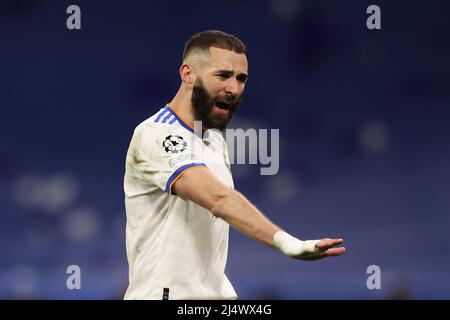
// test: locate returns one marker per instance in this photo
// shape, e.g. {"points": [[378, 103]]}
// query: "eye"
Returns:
{"points": [[223, 75], [242, 78]]}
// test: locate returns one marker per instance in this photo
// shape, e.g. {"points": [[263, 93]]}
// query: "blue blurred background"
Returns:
{"points": [[364, 119]]}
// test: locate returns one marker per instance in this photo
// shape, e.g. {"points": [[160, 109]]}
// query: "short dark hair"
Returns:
{"points": [[214, 38]]}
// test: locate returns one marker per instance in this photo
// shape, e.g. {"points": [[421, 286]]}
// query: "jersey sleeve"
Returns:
{"points": [[167, 154]]}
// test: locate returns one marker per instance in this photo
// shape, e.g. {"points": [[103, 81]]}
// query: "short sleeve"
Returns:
{"points": [[167, 153]]}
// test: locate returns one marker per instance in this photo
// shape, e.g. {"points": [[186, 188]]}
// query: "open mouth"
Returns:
{"points": [[222, 105]]}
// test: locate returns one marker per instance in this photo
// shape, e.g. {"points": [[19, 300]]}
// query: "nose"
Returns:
{"points": [[232, 86]]}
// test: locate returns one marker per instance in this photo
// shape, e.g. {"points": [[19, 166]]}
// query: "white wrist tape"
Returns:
{"points": [[294, 247]]}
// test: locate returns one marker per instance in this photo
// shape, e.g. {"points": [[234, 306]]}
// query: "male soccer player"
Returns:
{"points": [[179, 193]]}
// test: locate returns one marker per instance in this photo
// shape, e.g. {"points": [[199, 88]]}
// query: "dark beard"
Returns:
{"points": [[203, 104]]}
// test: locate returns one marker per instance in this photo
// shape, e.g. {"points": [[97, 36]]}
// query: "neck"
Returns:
{"points": [[182, 106]]}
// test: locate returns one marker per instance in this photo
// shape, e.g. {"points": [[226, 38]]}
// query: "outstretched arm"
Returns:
{"points": [[202, 187]]}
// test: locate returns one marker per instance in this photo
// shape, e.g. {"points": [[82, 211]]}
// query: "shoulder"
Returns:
{"points": [[152, 135], [159, 124]]}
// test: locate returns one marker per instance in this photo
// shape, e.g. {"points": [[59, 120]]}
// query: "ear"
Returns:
{"points": [[187, 74]]}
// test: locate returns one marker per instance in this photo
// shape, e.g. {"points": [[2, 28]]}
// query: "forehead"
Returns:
{"points": [[222, 59]]}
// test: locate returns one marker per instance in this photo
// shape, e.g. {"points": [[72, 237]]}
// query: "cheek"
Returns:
{"points": [[214, 85], [215, 91]]}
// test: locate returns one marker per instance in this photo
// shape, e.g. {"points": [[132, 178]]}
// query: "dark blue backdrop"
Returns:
{"points": [[364, 140]]}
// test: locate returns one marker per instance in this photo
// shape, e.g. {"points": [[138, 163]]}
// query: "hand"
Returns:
{"points": [[306, 250], [325, 249]]}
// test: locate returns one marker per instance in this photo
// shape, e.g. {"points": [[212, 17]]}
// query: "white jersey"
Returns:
{"points": [[176, 249]]}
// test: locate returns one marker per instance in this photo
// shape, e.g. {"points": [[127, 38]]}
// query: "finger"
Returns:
{"points": [[334, 251], [327, 253], [327, 243], [332, 241]]}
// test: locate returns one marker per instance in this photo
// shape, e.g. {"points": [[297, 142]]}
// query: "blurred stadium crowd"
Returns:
{"points": [[364, 119]]}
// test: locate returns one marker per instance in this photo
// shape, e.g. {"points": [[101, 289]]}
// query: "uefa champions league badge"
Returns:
{"points": [[174, 144]]}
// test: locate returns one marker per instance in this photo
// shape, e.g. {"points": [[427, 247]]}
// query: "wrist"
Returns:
{"points": [[292, 246]]}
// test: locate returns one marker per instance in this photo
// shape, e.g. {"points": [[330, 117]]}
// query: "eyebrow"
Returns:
{"points": [[229, 73]]}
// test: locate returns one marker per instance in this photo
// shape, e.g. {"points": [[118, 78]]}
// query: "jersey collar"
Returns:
{"points": [[185, 124]]}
